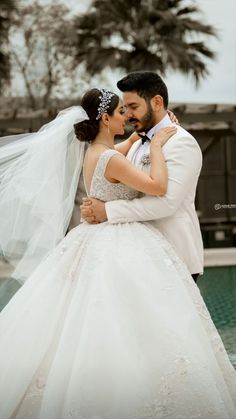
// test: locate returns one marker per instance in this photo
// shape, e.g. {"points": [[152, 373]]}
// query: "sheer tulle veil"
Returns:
{"points": [[39, 174]]}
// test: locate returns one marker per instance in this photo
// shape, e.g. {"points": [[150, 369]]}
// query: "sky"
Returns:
{"points": [[220, 85]]}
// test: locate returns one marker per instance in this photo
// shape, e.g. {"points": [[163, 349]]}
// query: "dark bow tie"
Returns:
{"points": [[144, 138]]}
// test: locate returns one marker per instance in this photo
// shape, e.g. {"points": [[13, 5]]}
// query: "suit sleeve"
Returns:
{"points": [[184, 161]]}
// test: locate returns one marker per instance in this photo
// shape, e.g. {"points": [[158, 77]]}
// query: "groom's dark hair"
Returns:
{"points": [[146, 83]]}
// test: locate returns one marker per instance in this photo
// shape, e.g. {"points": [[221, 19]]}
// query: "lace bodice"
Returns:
{"points": [[104, 190]]}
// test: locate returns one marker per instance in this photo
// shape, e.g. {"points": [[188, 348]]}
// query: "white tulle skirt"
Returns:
{"points": [[112, 326]]}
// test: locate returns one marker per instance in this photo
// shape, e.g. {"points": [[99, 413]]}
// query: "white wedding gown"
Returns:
{"points": [[112, 326]]}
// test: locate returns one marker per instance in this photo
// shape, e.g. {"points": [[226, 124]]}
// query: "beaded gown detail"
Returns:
{"points": [[112, 326]]}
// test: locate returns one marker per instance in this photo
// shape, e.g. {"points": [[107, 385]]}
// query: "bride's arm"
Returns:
{"points": [[125, 145], [120, 169]]}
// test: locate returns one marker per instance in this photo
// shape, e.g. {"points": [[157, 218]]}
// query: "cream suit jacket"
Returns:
{"points": [[174, 214]]}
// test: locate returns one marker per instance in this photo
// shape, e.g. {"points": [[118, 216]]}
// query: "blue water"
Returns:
{"points": [[218, 289]]}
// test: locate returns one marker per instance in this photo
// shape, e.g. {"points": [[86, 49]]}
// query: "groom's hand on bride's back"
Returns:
{"points": [[93, 211]]}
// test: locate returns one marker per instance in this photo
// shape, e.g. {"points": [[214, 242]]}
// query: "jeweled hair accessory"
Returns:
{"points": [[105, 102]]}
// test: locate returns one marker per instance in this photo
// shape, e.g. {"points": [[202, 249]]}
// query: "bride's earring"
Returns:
{"points": [[108, 129]]}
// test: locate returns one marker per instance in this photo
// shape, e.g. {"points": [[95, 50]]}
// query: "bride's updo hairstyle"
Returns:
{"points": [[88, 130]]}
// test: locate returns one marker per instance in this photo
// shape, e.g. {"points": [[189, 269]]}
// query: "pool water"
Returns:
{"points": [[8, 288], [218, 289]]}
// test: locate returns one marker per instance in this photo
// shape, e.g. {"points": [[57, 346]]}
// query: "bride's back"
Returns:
{"points": [[99, 186]]}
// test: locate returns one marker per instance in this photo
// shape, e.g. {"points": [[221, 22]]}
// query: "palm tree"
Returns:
{"points": [[143, 34], [7, 8]]}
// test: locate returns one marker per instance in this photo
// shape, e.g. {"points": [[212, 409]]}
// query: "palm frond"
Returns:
{"points": [[156, 32]]}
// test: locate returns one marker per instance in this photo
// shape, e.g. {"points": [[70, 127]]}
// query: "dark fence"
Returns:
{"points": [[214, 127], [9, 126]]}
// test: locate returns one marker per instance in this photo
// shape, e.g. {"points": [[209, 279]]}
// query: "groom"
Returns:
{"points": [[173, 214]]}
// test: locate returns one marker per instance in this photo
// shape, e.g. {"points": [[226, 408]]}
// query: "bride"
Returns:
{"points": [[109, 324]]}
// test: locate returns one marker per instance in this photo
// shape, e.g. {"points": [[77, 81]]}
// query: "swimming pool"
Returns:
{"points": [[218, 289]]}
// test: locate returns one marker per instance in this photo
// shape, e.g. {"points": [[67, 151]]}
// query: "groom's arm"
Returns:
{"points": [[184, 163]]}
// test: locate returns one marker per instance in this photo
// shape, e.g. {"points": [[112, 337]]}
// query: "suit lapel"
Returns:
{"points": [[145, 167], [133, 151], [135, 148]]}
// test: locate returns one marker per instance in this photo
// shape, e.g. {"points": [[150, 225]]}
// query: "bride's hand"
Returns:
{"points": [[162, 136], [173, 117]]}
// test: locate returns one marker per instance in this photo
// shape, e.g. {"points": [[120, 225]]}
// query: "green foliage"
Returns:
{"points": [[143, 34]]}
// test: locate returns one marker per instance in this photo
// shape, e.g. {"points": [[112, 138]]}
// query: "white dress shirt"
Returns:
{"points": [[144, 148]]}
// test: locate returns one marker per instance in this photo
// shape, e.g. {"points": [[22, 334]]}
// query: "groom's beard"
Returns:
{"points": [[146, 122]]}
